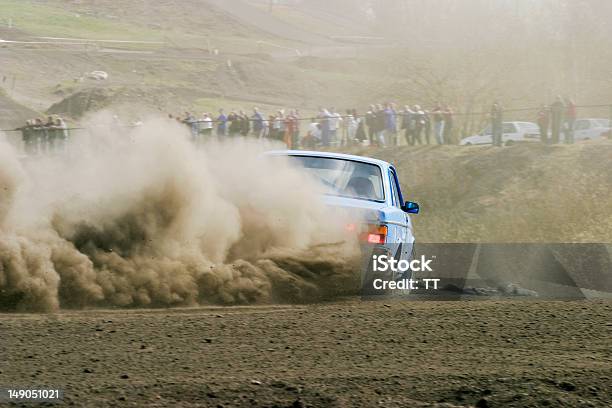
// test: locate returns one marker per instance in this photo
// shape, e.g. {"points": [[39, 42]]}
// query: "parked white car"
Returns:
{"points": [[513, 132], [591, 129]]}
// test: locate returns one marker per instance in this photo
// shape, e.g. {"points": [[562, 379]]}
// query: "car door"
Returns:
{"points": [[401, 220], [581, 129], [510, 132], [486, 136], [529, 132], [595, 130]]}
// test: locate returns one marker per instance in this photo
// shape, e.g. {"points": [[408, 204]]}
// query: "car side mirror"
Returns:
{"points": [[411, 208]]}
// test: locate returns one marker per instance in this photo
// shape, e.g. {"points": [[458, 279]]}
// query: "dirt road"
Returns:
{"points": [[351, 353]]}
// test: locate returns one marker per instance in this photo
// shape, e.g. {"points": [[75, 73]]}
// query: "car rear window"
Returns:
{"points": [[345, 178]]}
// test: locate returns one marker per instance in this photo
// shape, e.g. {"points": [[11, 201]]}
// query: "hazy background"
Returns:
{"points": [[204, 54]]}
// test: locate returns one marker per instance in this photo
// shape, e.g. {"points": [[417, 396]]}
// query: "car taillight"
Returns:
{"points": [[370, 233], [376, 234]]}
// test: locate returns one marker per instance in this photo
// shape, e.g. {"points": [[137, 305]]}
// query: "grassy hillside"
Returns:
{"points": [[525, 193], [255, 65], [233, 24], [49, 19]]}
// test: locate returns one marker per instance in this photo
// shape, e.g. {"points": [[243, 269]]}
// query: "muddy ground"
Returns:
{"points": [[341, 354]]}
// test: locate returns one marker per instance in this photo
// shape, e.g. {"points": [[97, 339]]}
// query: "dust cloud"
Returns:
{"points": [[139, 217]]}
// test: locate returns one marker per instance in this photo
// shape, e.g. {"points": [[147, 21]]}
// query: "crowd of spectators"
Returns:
{"points": [[553, 121], [557, 119], [382, 125], [44, 136], [283, 126]]}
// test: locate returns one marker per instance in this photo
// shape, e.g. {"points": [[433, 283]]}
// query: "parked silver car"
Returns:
{"points": [[513, 132], [591, 129]]}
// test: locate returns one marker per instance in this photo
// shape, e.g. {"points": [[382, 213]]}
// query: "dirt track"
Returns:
{"points": [[353, 353]]}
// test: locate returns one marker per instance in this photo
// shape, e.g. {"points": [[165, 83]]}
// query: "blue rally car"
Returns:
{"points": [[370, 189]]}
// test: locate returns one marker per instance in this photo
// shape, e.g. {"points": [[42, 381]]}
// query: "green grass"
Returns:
{"points": [[56, 19], [51, 21]]}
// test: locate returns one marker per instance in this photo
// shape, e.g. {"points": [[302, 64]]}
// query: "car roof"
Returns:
{"points": [[522, 123], [517, 122], [331, 155]]}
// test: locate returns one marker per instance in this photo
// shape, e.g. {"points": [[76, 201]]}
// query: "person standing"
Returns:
{"points": [[27, 136], [419, 124], [351, 125], [427, 127], [557, 110], [335, 122], [235, 124], [245, 124], [313, 135], [291, 124], [258, 123], [271, 129], [447, 134], [570, 119], [407, 124], [344, 138], [324, 117], [51, 133], [280, 126], [191, 121], [360, 134], [221, 124], [295, 134], [391, 124], [438, 120], [544, 123], [40, 136], [380, 126], [497, 127], [206, 126], [62, 133], [370, 122]]}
